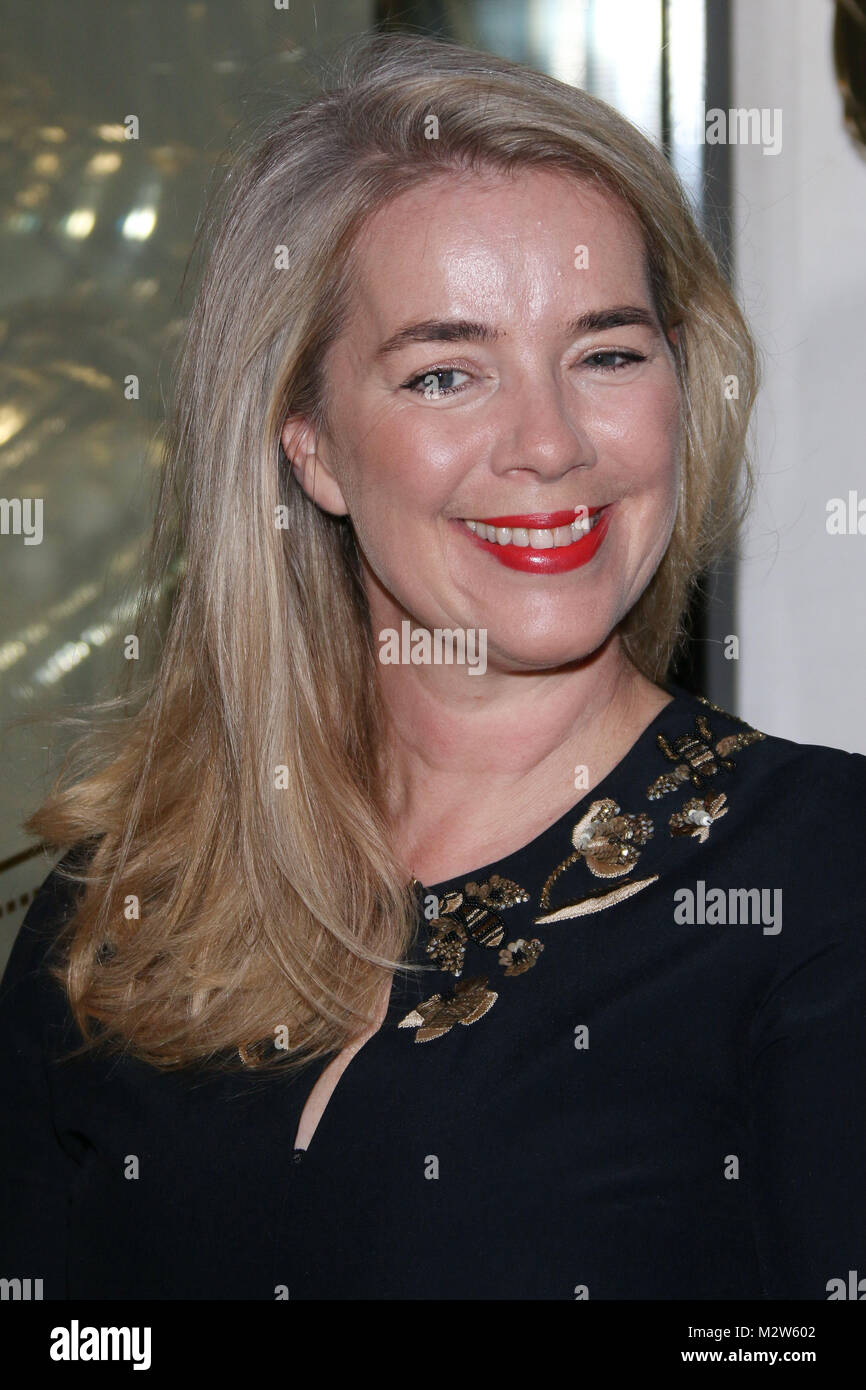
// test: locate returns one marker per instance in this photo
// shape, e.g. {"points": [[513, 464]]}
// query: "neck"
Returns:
{"points": [[472, 759]]}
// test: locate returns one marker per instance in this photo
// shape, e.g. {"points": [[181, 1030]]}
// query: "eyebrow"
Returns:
{"points": [[467, 330]]}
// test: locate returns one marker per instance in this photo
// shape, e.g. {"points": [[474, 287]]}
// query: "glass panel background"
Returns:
{"points": [[95, 232]]}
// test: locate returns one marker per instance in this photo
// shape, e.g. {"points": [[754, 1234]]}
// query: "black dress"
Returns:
{"points": [[648, 1080]]}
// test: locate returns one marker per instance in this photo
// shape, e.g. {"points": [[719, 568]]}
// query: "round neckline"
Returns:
{"points": [[679, 695]]}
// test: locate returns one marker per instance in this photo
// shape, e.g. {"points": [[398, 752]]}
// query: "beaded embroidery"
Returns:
{"points": [[520, 956], [610, 844], [698, 757], [436, 1016], [470, 915], [697, 816], [608, 841], [595, 902]]}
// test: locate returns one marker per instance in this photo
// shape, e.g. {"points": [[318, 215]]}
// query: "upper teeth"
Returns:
{"points": [[537, 539]]}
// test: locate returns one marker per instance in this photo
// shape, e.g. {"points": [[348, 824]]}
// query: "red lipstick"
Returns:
{"points": [[554, 560], [538, 521]]}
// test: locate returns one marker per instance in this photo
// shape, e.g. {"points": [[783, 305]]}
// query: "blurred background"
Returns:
{"points": [[96, 229]]}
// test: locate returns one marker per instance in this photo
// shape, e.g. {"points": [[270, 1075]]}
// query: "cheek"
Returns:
{"points": [[654, 446], [406, 463], [646, 433], [394, 474]]}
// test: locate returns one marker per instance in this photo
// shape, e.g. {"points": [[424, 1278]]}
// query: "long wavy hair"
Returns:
{"points": [[239, 884]]}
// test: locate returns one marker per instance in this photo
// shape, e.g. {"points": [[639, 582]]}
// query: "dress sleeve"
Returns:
{"points": [[35, 1172], [808, 1120]]}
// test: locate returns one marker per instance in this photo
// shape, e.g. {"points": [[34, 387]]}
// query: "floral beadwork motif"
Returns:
{"points": [[520, 956], [473, 915], [595, 902], [436, 1016], [609, 843]]}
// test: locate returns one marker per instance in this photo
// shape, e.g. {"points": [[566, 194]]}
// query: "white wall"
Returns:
{"points": [[799, 228]]}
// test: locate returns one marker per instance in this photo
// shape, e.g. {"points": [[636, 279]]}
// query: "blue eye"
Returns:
{"points": [[430, 383], [627, 359]]}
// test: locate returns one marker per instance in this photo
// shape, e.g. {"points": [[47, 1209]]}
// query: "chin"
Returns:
{"points": [[545, 652]]}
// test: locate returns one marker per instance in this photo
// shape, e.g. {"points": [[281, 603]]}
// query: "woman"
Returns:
{"points": [[419, 938]]}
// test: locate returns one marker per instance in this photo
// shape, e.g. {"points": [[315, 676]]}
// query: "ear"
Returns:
{"points": [[307, 453], [674, 334]]}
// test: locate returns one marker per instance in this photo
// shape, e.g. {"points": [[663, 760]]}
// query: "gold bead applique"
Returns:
{"points": [[732, 742], [698, 756], [471, 913], [696, 816], [608, 841], [497, 892], [447, 941], [610, 844], [520, 956], [436, 1016], [717, 709], [595, 902]]}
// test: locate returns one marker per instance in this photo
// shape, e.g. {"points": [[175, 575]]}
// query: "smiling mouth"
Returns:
{"points": [[536, 531]]}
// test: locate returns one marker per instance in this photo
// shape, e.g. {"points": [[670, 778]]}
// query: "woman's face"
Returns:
{"points": [[503, 365]]}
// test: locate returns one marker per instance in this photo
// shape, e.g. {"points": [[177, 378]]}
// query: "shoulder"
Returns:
{"points": [[798, 811], [814, 779]]}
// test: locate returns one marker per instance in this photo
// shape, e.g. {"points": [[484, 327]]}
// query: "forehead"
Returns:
{"points": [[495, 244]]}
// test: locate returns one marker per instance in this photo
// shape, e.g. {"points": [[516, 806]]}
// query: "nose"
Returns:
{"points": [[542, 430]]}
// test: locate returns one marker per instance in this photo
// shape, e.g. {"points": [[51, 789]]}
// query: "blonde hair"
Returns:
{"points": [[263, 906]]}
